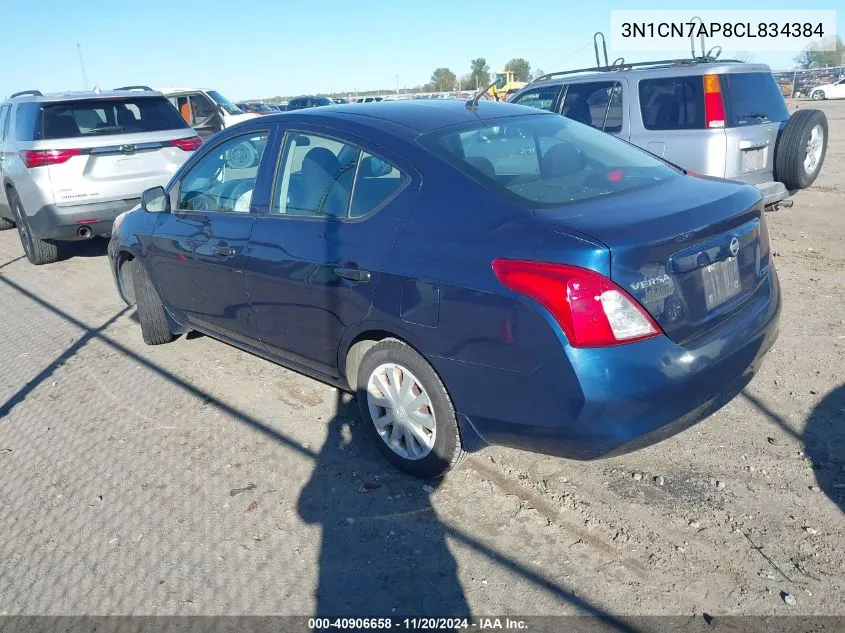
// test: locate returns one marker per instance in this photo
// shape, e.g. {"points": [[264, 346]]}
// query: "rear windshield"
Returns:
{"points": [[752, 98], [104, 117], [547, 160]]}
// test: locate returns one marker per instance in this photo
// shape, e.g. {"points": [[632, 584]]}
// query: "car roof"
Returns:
{"points": [[83, 95], [419, 116], [650, 72]]}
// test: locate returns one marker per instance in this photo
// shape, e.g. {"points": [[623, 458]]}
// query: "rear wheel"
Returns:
{"points": [[151, 315], [801, 149], [818, 95], [37, 251], [407, 410]]}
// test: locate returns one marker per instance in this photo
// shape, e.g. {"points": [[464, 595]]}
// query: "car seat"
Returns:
{"points": [[59, 126], [561, 160]]}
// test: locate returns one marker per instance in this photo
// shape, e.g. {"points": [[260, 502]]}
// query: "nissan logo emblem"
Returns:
{"points": [[734, 246]]}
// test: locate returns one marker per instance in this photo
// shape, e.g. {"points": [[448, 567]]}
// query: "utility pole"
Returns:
{"points": [[397, 84], [82, 65]]}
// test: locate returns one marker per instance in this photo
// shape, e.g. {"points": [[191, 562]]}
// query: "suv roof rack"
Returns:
{"points": [[147, 88], [619, 64], [23, 93]]}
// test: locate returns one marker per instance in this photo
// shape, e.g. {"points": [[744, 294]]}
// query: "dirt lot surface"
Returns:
{"points": [[193, 478]]}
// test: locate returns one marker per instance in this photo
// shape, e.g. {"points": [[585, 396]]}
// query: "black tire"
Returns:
{"points": [[5, 224], [154, 327], [447, 450], [817, 95], [792, 149], [37, 251]]}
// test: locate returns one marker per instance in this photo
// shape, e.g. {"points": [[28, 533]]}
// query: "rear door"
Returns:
{"points": [[755, 112], [113, 148], [315, 258], [199, 248], [670, 124]]}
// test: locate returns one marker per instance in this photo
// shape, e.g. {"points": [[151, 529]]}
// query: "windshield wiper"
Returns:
{"points": [[106, 130]]}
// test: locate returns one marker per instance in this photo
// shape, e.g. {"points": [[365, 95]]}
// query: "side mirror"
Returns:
{"points": [[155, 200]]}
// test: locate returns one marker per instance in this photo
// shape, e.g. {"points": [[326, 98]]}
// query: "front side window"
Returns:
{"points": [[202, 110], [103, 117], [224, 178], [546, 160], [543, 98], [597, 104], [323, 177]]}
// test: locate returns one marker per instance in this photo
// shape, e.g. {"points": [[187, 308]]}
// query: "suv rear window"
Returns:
{"points": [[672, 103], [547, 160], [752, 98], [104, 117]]}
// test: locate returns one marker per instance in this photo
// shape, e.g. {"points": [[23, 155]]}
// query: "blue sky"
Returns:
{"points": [[252, 49]]}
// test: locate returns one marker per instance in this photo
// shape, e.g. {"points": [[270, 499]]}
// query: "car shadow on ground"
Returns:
{"points": [[823, 439], [824, 444], [93, 247], [383, 547]]}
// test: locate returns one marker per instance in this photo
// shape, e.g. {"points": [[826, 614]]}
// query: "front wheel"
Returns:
{"points": [[151, 315], [818, 95], [407, 410]]}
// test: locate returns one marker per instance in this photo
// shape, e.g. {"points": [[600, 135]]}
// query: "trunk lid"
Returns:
{"points": [[691, 250]]}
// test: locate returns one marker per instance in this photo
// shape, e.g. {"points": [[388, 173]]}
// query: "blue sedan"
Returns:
{"points": [[475, 273]]}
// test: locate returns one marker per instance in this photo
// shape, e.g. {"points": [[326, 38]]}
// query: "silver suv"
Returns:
{"points": [[719, 118], [70, 163]]}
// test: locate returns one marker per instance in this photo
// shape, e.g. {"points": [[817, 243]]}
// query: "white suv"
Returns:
{"points": [[70, 163]]}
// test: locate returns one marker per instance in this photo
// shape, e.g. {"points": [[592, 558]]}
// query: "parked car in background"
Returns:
{"points": [[256, 108], [279, 107], [308, 102], [368, 99], [578, 299], [834, 90], [720, 118], [207, 111], [340, 100], [72, 162]]}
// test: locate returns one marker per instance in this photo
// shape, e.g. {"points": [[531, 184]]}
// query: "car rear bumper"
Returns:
{"points": [[772, 192], [605, 401], [65, 222]]}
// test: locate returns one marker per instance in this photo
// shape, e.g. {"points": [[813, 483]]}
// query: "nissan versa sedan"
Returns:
{"points": [[475, 272]]}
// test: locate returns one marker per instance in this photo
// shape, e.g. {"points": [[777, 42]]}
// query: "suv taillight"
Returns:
{"points": [[37, 158], [188, 144], [591, 309], [714, 106]]}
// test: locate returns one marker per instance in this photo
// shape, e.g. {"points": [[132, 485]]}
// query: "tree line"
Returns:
{"points": [[813, 57], [479, 76]]}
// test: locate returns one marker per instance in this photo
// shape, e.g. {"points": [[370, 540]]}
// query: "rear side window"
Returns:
{"points": [[541, 97], [4, 122], [25, 121], [672, 103], [547, 160], [103, 117], [597, 104], [752, 98], [322, 177]]}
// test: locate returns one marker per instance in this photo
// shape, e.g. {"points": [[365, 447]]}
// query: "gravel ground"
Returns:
{"points": [[193, 478]]}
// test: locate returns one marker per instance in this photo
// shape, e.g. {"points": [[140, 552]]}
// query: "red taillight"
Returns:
{"points": [[591, 309], [37, 158], [714, 107], [188, 144]]}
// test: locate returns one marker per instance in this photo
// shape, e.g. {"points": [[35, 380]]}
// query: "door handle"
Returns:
{"points": [[223, 250], [352, 274]]}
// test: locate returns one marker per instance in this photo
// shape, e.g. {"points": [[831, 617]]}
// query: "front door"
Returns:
{"points": [[314, 260], [198, 250]]}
